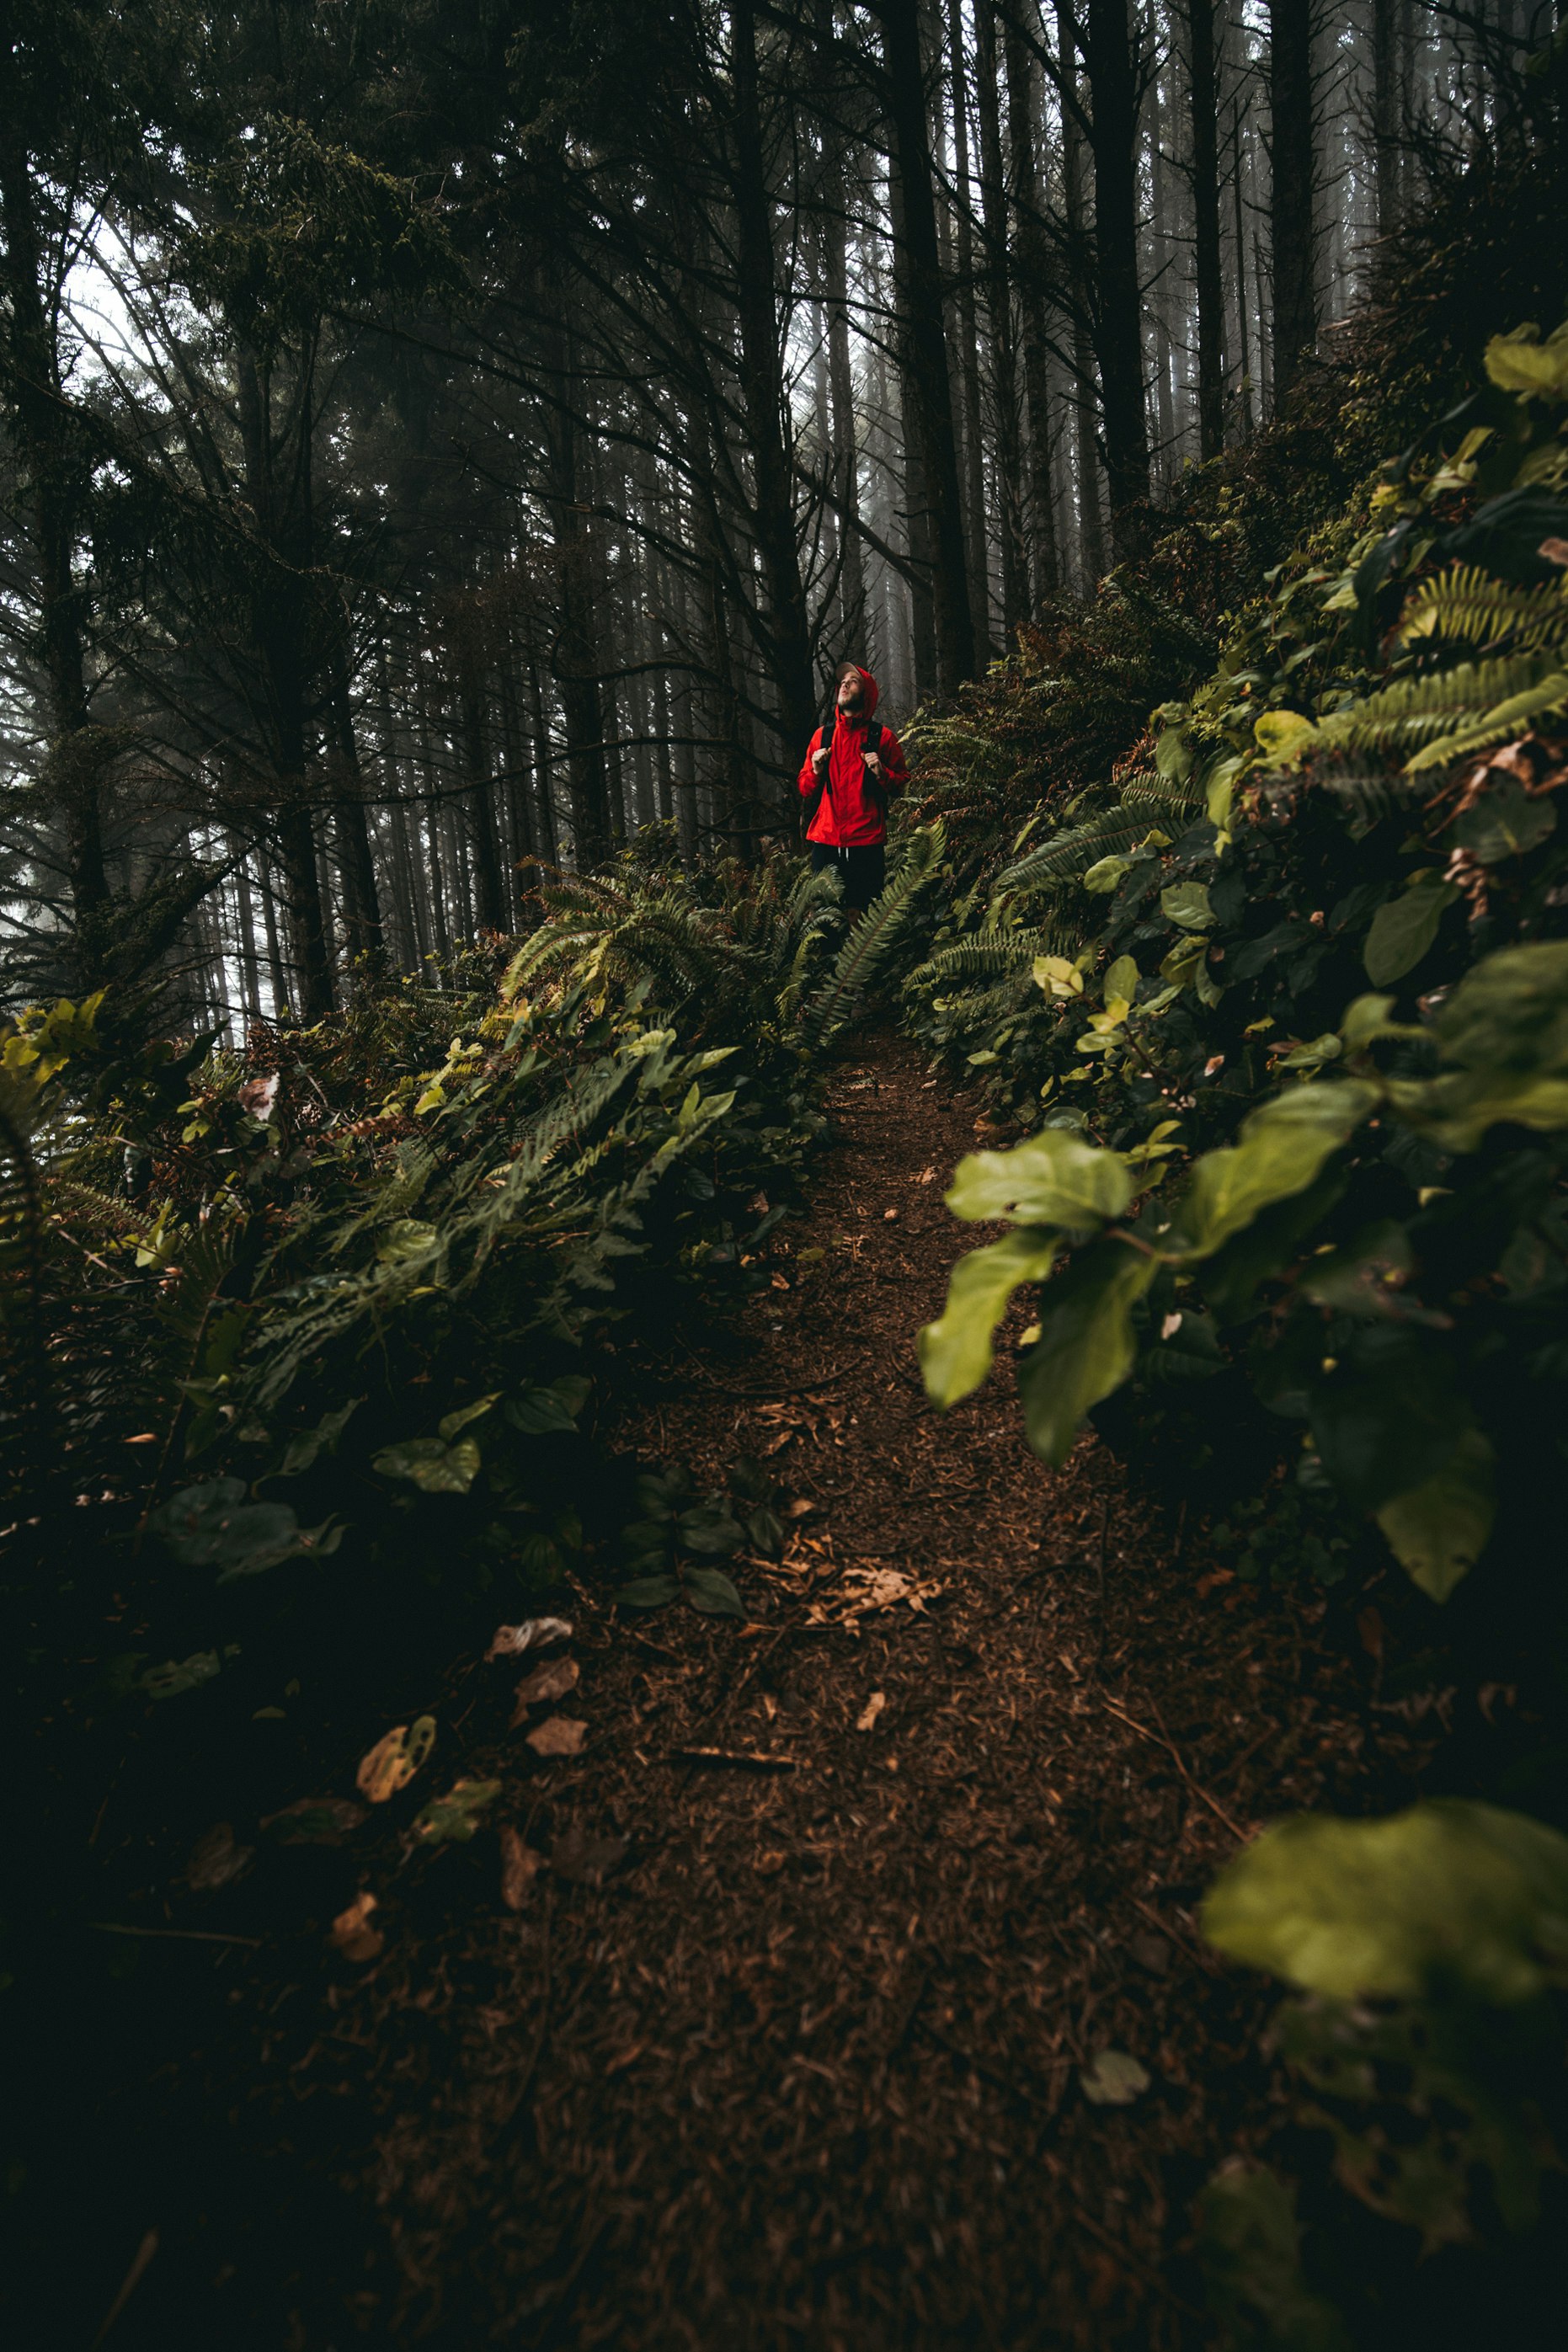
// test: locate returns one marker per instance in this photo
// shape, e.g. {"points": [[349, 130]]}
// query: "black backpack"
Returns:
{"points": [[873, 742]]}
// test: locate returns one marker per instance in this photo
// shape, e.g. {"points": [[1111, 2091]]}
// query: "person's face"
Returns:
{"points": [[849, 691]]}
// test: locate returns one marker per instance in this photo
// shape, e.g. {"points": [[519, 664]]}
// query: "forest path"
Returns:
{"points": [[805, 2070], [785, 2047]]}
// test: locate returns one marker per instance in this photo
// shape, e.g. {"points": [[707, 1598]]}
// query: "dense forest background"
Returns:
{"points": [[438, 438]]}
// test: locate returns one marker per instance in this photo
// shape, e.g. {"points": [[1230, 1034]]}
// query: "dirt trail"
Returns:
{"points": [[806, 2069]]}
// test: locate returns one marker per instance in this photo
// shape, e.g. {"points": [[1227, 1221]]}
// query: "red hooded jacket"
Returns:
{"points": [[852, 815]]}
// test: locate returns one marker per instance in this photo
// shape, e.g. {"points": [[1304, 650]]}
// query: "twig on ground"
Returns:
{"points": [[1163, 1739], [749, 1759], [140, 2260], [180, 1935]]}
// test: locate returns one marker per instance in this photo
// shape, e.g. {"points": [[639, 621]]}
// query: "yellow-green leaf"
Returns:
{"points": [[955, 1351], [1439, 1531]]}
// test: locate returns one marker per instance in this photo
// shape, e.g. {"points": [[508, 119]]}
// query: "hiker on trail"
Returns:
{"points": [[852, 767]]}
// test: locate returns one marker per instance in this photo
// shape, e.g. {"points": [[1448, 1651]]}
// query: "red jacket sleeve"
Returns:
{"points": [[895, 767], [806, 781]]}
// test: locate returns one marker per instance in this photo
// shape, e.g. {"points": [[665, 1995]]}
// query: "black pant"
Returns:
{"points": [[862, 869]]}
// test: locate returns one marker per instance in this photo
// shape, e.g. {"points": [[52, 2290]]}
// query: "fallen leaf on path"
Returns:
{"points": [[800, 1508], [863, 1592], [552, 1680], [215, 1860], [393, 1761], [1112, 2079], [587, 1861], [353, 1935], [888, 1216], [519, 1867], [926, 1176], [558, 1735], [511, 1640], [456, 1814], [315, 1820], [871, 1710]]}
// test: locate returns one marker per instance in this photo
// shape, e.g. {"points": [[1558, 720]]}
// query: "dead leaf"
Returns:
{"points": [[552, 1680], [258, 1096], [800, 1508], [519, 1867], [353, 1935], [511, 1640], [926, 1176], [315, 1820], [864, 1591], [456, 1814], [867, 1718], [393, 1761], [888, 1216], [587, 1861], [215, 1860], [1112, 2079], [558, 1735]]}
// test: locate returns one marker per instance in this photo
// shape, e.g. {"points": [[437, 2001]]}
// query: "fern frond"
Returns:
{"points": [[1066, 856], [1416, 711], [867, 948], [1465, 605]]}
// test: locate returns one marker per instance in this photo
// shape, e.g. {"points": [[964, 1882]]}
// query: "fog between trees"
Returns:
{"points": [[434, 438]]}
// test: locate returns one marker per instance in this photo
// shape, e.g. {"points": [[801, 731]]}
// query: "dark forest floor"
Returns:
{"points": [[783, 2047]]}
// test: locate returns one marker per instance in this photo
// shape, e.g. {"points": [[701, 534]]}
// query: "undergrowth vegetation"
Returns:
{"points": [[1279, 995]]}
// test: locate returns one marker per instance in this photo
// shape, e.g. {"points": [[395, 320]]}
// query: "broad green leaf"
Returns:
{"points": [[1388, 1417], [955, 1351], [709, 1589], [647, 1592], [1511, 1013], [1052, 1179], [712, 1527], [1456, 1111], [300, 1453], [1086, 1348], [1057, 976], [1121, 980], [1520, 362], [1252, 2261], [1440, 1529], [1283, 735], [1188, 903], [213, 1526], [1281, 1147], [454, 1816], [433, 1466], [551, 1410], [1449, 1892], [1403, 930], [1506, 821], [1106, 876], [451, 1423], [168, 1681]]}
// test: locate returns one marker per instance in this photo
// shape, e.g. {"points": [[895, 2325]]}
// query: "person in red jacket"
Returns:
{"points": [[851, 778]]}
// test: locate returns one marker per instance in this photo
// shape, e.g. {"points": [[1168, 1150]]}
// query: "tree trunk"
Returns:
{"points": [[1113, 72], [53, 489], [786, 639], [1385, 114], [968, 345], [1292, 154], [1092, 548], [999, 304], [925, 343], [361, 900], [1203, 122], [1030, 270]]}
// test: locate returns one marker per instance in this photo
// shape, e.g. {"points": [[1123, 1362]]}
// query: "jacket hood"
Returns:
{"points": [[870, 694]]}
